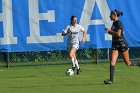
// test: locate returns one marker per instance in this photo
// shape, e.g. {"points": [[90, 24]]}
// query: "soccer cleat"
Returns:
{"points": [[108, 82], [73, 68], [78, 71]]}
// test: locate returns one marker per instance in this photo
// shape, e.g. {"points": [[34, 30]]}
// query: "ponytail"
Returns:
{"points": [[118, 13]]}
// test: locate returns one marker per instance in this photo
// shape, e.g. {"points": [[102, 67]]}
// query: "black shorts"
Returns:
{"points": [[121, 47]]}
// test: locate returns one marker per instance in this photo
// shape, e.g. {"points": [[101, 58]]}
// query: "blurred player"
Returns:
{"points": [[119, 44], [73, 43]]}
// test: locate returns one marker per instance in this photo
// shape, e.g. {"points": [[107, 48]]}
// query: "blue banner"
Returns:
{"points": [[36, 25]]}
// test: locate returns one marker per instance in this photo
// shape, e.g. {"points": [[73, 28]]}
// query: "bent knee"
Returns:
{"points": [[71, 55]]}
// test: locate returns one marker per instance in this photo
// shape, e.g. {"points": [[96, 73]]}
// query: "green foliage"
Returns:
{"points": [[86, 54], [48, 56], [63, 55]]}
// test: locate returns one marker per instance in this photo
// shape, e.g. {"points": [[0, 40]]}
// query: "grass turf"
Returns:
{"points": [[52, 79]]}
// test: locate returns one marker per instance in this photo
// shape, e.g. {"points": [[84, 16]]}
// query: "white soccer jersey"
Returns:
{"points": [[73, 38]]}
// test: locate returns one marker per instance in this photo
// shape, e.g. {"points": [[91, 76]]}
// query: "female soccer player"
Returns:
{"points": [[73, 31], [119, 44]]}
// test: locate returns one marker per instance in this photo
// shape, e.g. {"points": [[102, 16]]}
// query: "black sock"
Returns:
{"points": [[134, 63], [112, 68]]}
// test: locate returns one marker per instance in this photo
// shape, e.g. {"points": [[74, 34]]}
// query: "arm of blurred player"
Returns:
{"points": [[84, 37], [84, 34], [118, 33]]}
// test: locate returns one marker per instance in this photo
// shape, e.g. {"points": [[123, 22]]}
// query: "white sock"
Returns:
{"points": [[77, 65], [73, 63]]}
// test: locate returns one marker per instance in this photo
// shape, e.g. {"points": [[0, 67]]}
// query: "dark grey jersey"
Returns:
{"points": [[116, 27], [118, 43]]}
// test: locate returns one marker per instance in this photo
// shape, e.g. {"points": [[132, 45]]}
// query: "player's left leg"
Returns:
{"points": [[127, 61]]}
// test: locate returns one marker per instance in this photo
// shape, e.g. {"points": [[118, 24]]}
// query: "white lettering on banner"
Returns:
{"points": [[88, 11], [35, 17], [7, 19]]}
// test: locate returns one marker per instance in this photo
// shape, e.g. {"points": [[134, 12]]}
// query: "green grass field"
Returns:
{"points": [[52, 79]]}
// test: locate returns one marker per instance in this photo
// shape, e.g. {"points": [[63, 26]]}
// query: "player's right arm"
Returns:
{"points": [[66, 32], [63, 33]]}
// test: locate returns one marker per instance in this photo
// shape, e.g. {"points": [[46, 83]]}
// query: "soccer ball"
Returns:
{"points": [[69, 72]]}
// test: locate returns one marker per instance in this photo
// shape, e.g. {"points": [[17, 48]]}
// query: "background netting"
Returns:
{"points": [[59, 57]]}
